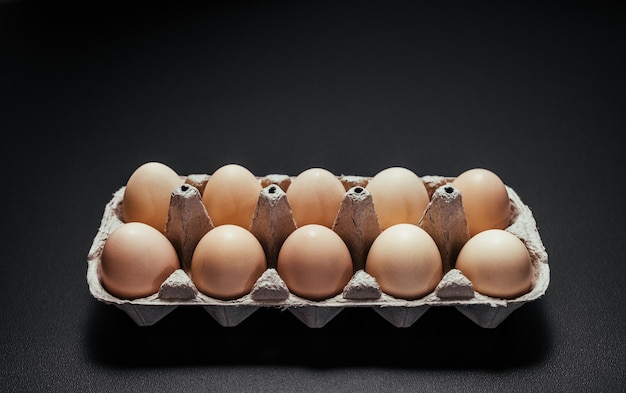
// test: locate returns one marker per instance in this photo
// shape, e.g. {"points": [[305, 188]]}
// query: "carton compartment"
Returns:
{"points": [[356, 223]]}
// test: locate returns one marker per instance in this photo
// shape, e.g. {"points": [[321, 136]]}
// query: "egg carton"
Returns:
{"points": [[358, 226]]}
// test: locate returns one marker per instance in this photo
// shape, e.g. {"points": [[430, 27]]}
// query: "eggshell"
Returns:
{"points": [[147, 194], [314, 196], [227, 261], [485, 200], [405, 261], [497, 263], [314, 262], [136, 260], [230, 195], [399, 196]]}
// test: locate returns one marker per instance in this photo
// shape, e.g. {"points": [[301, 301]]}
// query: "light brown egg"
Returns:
{"points": [[227, 262], [497, 263], [485, 200], [135, 261], [147, 194], [405, 261], [399, 196], [315, 196], [314, 262], [231, 195]]}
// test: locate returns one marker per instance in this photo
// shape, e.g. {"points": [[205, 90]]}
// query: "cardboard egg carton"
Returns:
{"points": [[356, 223]]}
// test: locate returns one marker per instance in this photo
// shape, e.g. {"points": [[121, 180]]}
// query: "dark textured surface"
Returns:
{"points": [[91, 90]]}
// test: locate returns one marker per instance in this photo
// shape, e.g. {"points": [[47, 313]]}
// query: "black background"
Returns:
{"points": [[91, 90]]}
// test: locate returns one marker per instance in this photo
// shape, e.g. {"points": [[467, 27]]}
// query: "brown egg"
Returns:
{"points": [[135, 261], [231, 195], [147, 194], [497, 263], [485, 200], [227, 262], [405, 261], [314, 262], [399, 196], [315, 196]]}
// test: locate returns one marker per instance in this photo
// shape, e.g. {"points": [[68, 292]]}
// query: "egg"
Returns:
{"points": [[231, 195], [497, 263], [485, 200], [405, 261], [315, 196], [399, 196], [147, 194], [226, 262], [314, 262], [136, 259]]}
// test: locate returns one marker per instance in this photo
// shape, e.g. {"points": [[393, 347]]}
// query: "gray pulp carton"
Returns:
{"points": [[356, 223]]}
